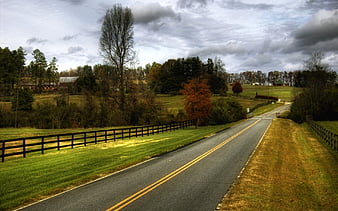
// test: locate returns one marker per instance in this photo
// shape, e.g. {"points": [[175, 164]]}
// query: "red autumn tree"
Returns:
{"points": [[197, 95], [237, 88]]}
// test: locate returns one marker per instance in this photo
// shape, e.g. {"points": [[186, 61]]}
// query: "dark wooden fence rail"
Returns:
{"points": [[22, 146], [329, 137]]}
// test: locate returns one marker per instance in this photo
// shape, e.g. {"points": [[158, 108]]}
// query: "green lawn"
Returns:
{"points": [[265, 108], [330, 125], [11, 133], [285, 93], [173, 103], [24, 180], [48, 97]]}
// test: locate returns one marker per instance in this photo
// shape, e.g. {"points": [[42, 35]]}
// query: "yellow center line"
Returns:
{"points": [[171, 175]]}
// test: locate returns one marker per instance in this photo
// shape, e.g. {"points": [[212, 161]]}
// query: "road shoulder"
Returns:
{"points": [[290, 170]]}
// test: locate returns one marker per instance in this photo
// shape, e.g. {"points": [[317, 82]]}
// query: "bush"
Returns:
{"points": [[237, 88], [322, 106], [266, 97], [225, 111]]}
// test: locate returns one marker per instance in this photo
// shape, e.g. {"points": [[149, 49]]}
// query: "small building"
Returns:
{"points": [[66, 82]]}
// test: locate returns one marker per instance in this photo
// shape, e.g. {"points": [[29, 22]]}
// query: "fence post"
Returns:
{"points": [[95, 141], [42, 145], [58, 142], [72, 141], [24, 147], [3, 151], [114, 135], [85, 138]]}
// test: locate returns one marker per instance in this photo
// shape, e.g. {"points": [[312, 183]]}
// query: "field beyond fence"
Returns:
{"points": [[23, 146], [328, 136]]}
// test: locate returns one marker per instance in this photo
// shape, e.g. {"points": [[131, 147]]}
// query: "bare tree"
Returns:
{"points": [[116, 43]]}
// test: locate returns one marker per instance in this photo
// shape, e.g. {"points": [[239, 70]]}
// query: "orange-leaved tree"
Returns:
{"points": [[197, 99]]}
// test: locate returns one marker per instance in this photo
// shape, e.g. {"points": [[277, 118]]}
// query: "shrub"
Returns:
{"points": [[237, 88], [322, 106], [225, 111], [266, 97]]}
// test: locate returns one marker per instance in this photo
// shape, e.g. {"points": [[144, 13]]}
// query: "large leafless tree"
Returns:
{"points": [[116, 43]]}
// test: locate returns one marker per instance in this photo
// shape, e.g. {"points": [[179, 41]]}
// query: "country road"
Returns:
{"points": [[195, 177]]}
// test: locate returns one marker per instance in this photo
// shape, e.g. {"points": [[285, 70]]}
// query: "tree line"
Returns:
{"points": [[168, 78], [319, 98], [15, 74]]}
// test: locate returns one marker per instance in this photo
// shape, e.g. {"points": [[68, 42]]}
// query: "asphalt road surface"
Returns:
{"points": [[195, 177]]}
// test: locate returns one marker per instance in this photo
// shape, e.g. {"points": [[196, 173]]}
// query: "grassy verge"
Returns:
{"points": [[290, 170], [266, 108], [24, 180]]}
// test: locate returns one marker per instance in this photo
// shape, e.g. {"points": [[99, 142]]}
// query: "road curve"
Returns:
{"points": [[195, 177]]}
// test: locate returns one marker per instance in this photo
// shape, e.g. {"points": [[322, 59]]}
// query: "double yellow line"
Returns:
{"points": [[171, 175]]}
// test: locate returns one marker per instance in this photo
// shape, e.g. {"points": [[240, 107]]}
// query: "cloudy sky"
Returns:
{"points": [[246, 35]]}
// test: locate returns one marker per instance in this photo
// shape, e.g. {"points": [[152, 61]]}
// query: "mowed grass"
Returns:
{"points": [[330, 125], [24, 180], [266, 108], [12, 133], [290, 170], [285, 93]]}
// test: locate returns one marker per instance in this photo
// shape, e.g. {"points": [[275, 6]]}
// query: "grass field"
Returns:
{"points": [[265, 108], [11, 133], [176, 103], [290, 170], [24, 180], [285, 93], [330, 125]]}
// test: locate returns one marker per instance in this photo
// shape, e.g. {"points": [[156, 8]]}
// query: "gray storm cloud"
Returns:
{"points": [[152, 12], [322, 27]]}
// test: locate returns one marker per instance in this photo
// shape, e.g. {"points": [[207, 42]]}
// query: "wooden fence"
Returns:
{"points": [[22, 146], [329, 137]]}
